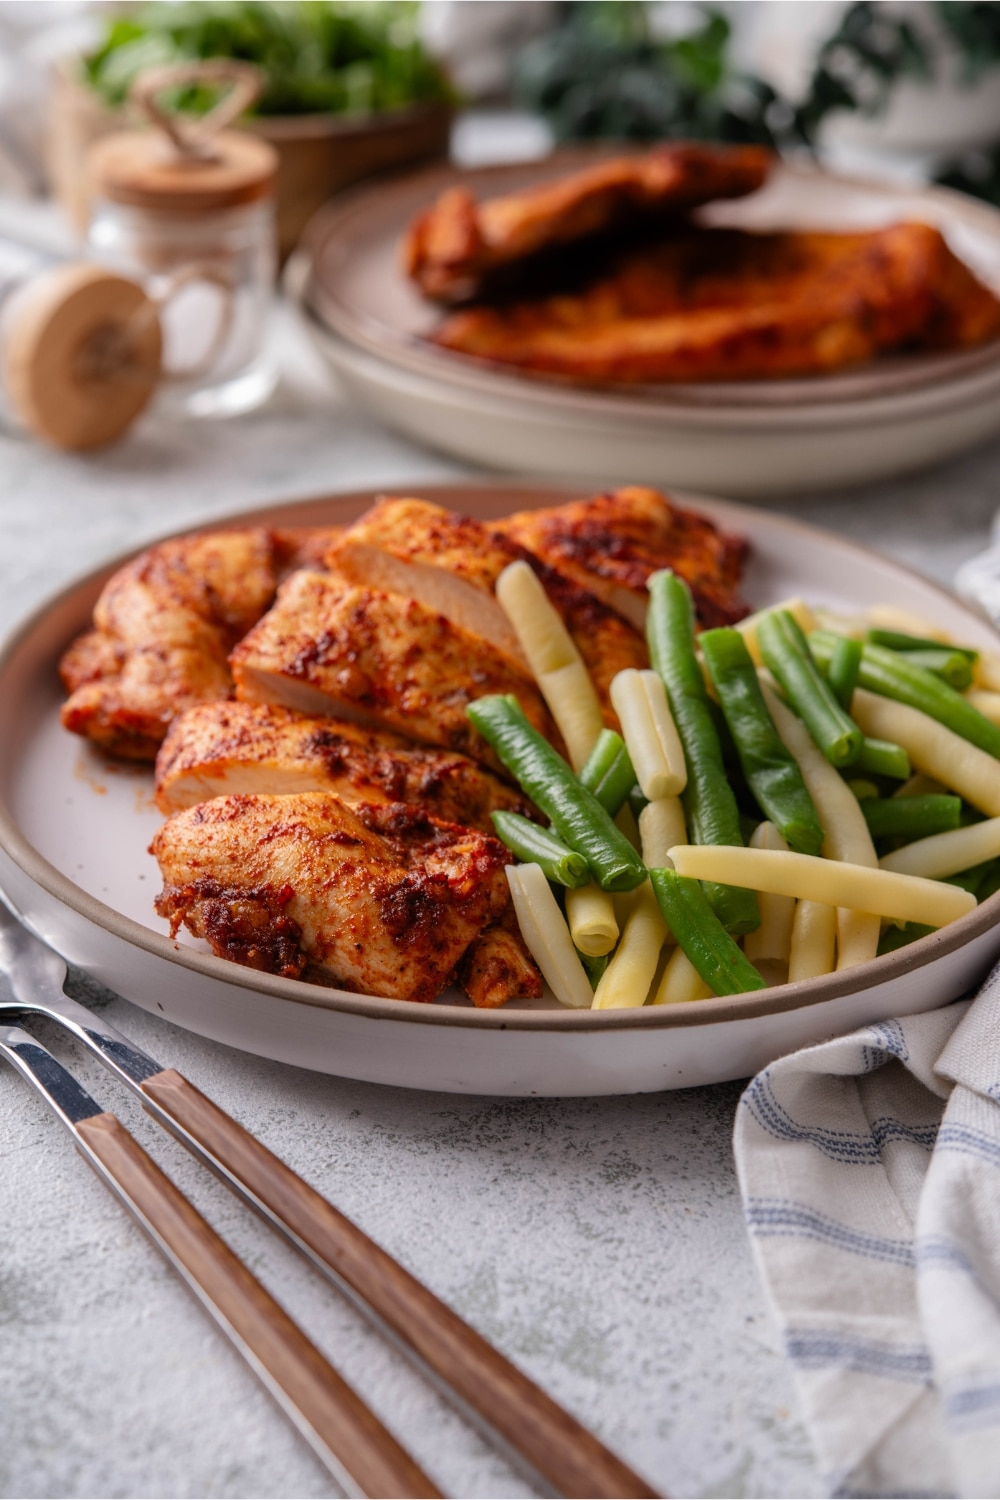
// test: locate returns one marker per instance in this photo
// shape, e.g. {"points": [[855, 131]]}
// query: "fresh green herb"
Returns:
{"points": [[317, 57]]}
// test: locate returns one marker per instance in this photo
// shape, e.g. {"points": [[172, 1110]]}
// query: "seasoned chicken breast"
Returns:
{"points": [[380, 660], [497, 967], [457, 244], [613, 543], [451, 563], [728, 304], [218, 749], [378, 900], [163, 628]]}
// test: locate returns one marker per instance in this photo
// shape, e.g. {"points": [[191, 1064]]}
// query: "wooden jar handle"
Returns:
{"points": [[348, 1436], [193, 137], [528, 1421]]}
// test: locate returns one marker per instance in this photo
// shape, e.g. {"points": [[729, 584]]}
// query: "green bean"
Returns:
{"points": [[882, 758], [973, 879], [593, 967], [889, 673], [894, 938], [786, 652], [898, 640], [575, 814], [722, 965], [709, 802], [864, 790], [637, 800], [990, 885], [911, 818], [843, 674], [953, 666], [608, 771], [772, 773], [539, 846]]}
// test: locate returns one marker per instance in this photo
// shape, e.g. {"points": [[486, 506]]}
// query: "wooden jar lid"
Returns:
{"points": [[82, 352], [142, 169]]}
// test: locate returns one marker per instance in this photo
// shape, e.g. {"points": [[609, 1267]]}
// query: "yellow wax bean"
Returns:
{"points": [[906, 898], [547, 937], [933, 749], [814, 941]]}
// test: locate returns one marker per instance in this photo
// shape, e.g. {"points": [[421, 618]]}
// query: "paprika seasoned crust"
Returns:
{"points": [[381, 660], [376, 899], [612, 543], [163, 629], [451, 563], [457, 244], [710, 304], [217, 749]]}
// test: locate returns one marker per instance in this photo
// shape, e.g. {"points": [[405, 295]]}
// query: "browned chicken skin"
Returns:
{"points": [[218, 749], [164, 626], [381, 660], [613, 543], [452, 563], [378, 900], [456, 243], [728, 304]]}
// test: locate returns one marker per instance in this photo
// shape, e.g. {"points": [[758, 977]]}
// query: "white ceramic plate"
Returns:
{"points": [[750, 438], [74, 830]]}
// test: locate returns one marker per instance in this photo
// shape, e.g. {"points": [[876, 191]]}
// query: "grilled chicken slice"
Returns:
{"points": [[451, 563], [163, 628], [613, 543], [380, 660], [447, 561], [497, 967], [222, 748], [456, 245], [377, 900], [729, 304]]}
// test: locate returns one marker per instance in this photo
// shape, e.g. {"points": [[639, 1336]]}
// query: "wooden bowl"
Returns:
{"points": [[318, 155]]}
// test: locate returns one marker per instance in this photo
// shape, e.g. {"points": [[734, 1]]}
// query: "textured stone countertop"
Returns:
{"points": [[598, 1242]]}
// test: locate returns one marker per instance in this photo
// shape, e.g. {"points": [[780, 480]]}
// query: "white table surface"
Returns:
{"points": [[599, 1243]]}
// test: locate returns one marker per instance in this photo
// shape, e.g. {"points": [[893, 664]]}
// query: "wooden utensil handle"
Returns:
{"points": [[349, 1437], [569, 1457]]}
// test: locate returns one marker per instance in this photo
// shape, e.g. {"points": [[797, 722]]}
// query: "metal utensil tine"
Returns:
{"points": [[36, 974], [346, 1435]]}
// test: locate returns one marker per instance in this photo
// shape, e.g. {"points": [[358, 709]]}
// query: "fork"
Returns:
{"points": [[530, 1428], [345, 1434]]}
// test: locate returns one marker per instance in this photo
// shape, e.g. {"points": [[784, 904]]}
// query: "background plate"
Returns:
{"points": [[746, 438], [74, 831]]}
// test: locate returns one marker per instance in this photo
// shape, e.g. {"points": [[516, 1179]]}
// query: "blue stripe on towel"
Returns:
{"points": [[963, 1140], [777, 1216], [975, 1406], [819, 1349], [847, 1146]]}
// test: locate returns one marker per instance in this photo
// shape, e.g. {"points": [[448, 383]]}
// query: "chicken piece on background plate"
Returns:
{"points": [[451, 563], [379, 900], [164, 626], [457, 244], [381, 660], [729, 304], [218, 749], [611, 544]]}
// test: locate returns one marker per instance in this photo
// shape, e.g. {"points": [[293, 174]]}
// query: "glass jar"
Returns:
{"points": [[189, 211]]}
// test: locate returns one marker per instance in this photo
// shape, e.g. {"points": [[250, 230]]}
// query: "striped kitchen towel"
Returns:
{"points": [[870, 1174]]}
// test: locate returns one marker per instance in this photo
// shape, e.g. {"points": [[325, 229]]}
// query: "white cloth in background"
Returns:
{"points": [[870, 1173]]}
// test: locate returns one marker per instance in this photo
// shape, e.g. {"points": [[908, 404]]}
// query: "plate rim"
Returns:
{"points": [[771, 1001], [710, 402]]}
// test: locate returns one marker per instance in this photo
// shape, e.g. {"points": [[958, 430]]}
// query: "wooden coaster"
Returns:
{"points": [[82, 352]]}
